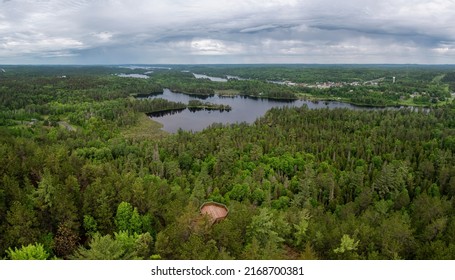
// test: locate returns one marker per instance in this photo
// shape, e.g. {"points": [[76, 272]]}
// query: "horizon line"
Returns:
{"points": [[228, 64]]}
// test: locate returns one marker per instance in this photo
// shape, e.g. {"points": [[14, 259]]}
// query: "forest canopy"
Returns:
{"points": [[78, 181]]}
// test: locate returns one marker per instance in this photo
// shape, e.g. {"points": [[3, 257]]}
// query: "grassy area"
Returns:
{"points": [[410, 102], [145, 128]]}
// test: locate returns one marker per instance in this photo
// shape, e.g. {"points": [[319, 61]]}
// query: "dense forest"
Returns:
{"points": [[85, 175]]}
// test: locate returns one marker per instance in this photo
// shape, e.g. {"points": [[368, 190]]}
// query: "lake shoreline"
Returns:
{"points": [[310, 98], [243, 108]]}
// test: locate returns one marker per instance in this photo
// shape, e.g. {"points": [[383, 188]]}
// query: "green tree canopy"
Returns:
{"points": [[29, 252]]}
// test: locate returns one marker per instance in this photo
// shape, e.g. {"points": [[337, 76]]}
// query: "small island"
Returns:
{"points": [[199, 105]]}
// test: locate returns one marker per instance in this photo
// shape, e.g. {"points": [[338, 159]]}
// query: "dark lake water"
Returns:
{"points": [[244, 109]]}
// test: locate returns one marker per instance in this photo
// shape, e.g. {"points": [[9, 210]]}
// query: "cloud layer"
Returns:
{"points": [[246, 31]]}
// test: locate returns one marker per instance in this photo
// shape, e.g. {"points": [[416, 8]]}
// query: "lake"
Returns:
{"points": [[213, 79], [218, 79], [140, 76], [244, 109]]}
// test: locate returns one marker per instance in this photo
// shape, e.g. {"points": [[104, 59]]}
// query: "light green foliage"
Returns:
{"points": [[123, 246], [347, 244], [128, 219], [392, 178], [301, 228], [125, 239], [123, 216], [264, 228], [103, 248], [29, 252]]}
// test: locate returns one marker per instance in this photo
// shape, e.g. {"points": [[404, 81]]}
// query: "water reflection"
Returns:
{"points": [[165, 113]]}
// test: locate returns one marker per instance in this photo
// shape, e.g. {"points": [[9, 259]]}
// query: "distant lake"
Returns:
{"points": [[244, 109], [217, 79], [213, 79], [134, 76]]}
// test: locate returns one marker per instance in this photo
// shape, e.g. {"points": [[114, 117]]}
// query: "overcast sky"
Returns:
{"points": [[228, 31]]}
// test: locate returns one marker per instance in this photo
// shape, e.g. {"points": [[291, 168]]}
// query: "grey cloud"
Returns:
{"points": [[192, 31]]}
